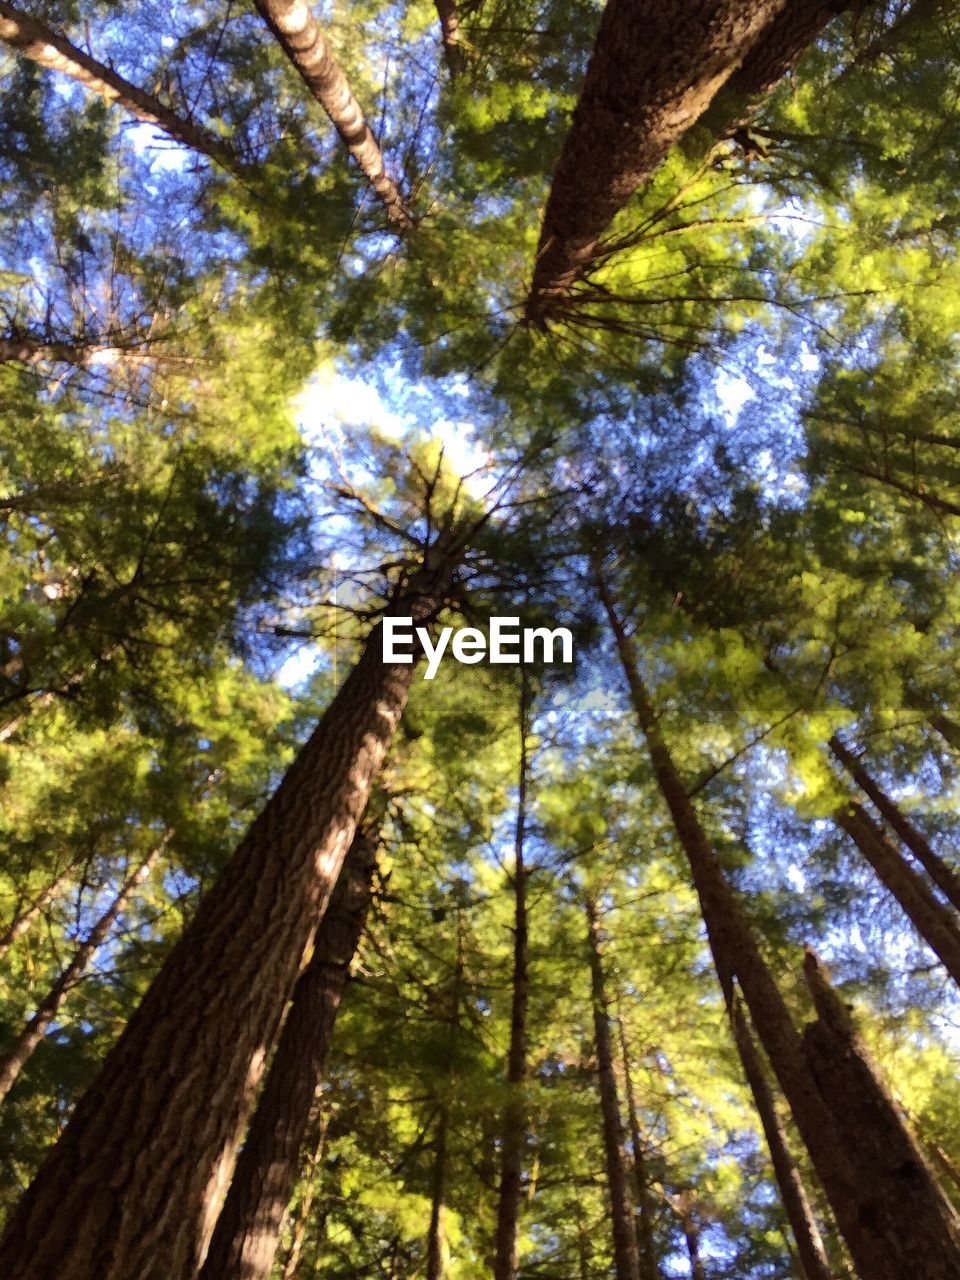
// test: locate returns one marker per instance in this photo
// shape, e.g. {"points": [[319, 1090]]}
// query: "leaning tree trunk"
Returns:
{"points": [[17, 1057], [840, 1166], [943, 876], [299, 35], [449, 15], [515, 1111], [131, 1190], [920, 1226], [646, 1244], [625, 1260], [793, 1193], [936, 923], [38, 42], [654, 69], [294, 1256], [22, 922], [248, 1229]]}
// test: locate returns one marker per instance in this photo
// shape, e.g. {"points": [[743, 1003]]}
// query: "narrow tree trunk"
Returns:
{"points": [[18, 926], [33, 351], [248, 1230], [292, 1264], [934, 921], [182, 1079], [44, 46], [647, 1249], [948, 729], [301, 39], [448, 13], [919, 1225], [943, 876], [436, 1233], [806, 1233], [736, 956], [16, 1058], [626, 1263], [691, 1234], [515, 1111], [654, 69]]}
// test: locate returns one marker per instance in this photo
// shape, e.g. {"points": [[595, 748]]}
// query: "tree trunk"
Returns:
{"points": [[654, 69], [21, 923], [301, 39], [44, 46], [515, 1111], [646, 1244], [248, 1230], [736, 956], [933, 920], [943, 876], [16, 1058], [626, 1263], [806, 1233], [131, 1189], [691, 1233], [948, 729], [436, 1234], [448, 13], [919, 1226], [292, 1263]]}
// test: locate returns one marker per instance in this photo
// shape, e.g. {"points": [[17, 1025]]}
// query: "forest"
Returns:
{"points": [[636, 319]]}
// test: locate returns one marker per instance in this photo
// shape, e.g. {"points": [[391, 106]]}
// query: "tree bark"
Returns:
{"points": [[17, 1057], [248, 1230], [796, 1203], [654, 69], [131, 1189], [691, 1234], [515, 1111], [646, 1245], [449, 16], [292, 1262], [42, 45], [22, 922], [933, 920], [736, 956], [436, 1233], [943, 876], [301, 39], [626, 1262], [918, 1224]]}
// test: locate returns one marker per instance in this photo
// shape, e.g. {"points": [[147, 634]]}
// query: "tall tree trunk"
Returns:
{"points": [[22, 922], [796, 1203], [685, 1204], [647, 1249], [17, 1057], [449, 16], [436, 1232], [626, 1263], [248, 1229], [301, 39], [919, 1224], [38, 42], [736, 956], [181, 1081], [515, 1110], [654, 69], [934, 921], [943, 876]]}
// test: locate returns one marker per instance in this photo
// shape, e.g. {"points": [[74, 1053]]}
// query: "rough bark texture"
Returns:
{"points": [[515, 1111], [934, 921], [131, 1189], [626, 1263], [654, 69], [22, 922], [17, 1057], [44, 46], [248, 1229], [301, 39], [646, 1244], [449, 16], [840, 1167], [907, 1210], [943, 876], [793, 1194]]}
